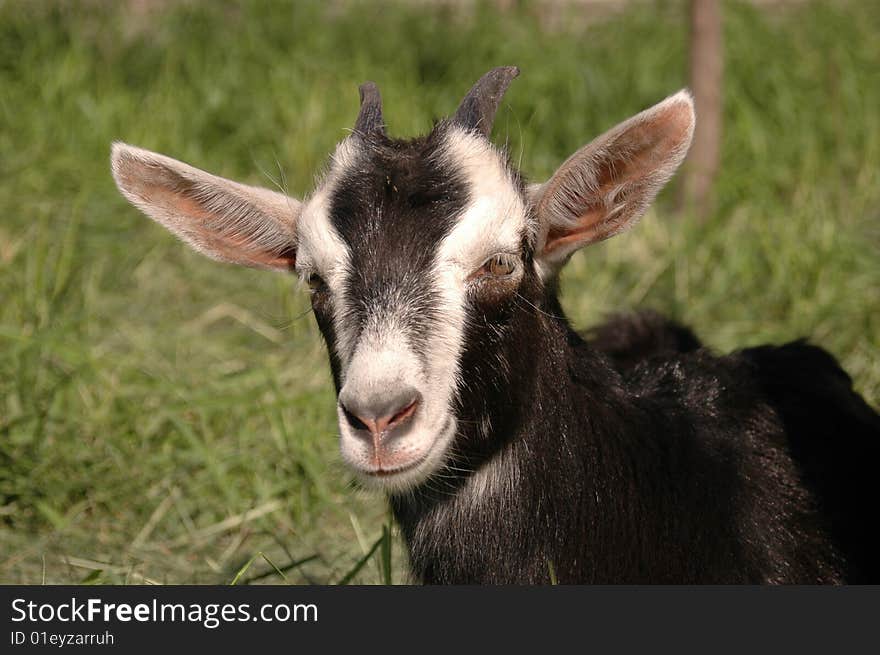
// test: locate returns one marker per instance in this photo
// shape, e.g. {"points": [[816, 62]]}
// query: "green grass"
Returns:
{"points": [[166, 418]]}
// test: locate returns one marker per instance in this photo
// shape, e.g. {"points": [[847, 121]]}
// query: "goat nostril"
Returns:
{"points": [[404, 413], [391, 421], [353, 419], [363, 421]]}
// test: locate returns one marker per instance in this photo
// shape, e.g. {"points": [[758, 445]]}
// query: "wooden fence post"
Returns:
{"points": [[706, 60]]}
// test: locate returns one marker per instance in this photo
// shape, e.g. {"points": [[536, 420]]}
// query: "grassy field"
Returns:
{"points": [[166, 418]]}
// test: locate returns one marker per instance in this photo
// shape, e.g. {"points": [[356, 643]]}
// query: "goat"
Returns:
{"points": [[511, 448]]}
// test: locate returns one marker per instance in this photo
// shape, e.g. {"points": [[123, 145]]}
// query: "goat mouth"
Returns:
{"points": [[396, 474], [385, 472]]}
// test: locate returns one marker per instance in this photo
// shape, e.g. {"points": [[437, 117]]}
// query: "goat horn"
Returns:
{"points": [[369, 119], [477, 110]]}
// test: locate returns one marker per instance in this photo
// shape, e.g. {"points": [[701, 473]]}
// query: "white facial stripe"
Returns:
{"points": [[495, 219], [382, 359], [323, 251], [493, 222]]}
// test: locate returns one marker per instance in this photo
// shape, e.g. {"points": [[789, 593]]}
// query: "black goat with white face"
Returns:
{"points": [[509, 446]]}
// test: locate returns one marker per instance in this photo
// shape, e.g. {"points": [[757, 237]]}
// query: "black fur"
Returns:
{"points": [[628, 339], [636, 456], [686, 468]]}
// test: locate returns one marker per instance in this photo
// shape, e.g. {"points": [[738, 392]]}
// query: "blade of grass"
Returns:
{"points": [[282, 569], [386, 554], [250, 562], [361, 562]]}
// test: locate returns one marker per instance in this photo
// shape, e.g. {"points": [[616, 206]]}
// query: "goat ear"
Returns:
{"points": [[222, 219], [606, 186]]}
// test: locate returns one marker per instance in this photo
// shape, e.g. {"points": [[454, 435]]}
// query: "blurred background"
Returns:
{"points": [[164, 418]]}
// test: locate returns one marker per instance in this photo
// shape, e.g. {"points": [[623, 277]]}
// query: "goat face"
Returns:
{"points": [[405, 245], [426, 259]]}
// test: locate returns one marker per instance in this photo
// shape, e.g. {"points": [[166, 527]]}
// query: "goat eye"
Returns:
{"points": [[316, 282], [499, 265]]}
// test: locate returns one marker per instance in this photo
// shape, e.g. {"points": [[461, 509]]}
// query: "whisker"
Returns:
{"points": [[286, 325], [536, 308]]}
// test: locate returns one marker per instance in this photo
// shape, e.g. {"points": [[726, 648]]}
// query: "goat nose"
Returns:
{"points": [[379, 413]]}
